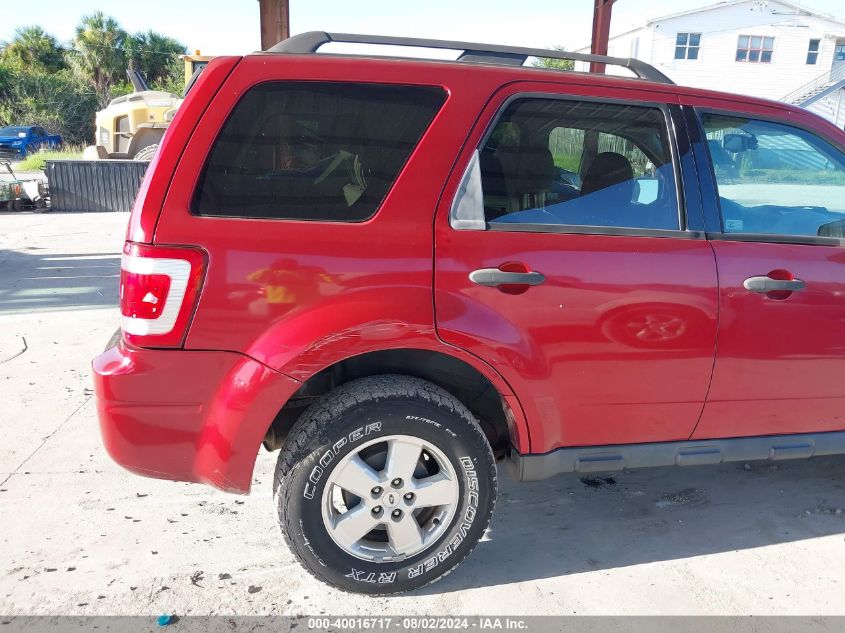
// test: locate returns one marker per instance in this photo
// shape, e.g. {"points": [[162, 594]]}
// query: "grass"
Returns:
{"points": [[571, 163], [38, 161], [793, 176]]}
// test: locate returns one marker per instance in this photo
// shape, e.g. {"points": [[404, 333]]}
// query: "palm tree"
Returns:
{"points": [[98, 55], [154, 54], [33, 48]]}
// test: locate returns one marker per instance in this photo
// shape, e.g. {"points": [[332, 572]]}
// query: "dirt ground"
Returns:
{"points": [[82, 536]]}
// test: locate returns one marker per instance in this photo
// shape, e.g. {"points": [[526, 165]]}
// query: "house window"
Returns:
{"points": [[840, 53], [813, 52], [754, 48], [687, 45]]}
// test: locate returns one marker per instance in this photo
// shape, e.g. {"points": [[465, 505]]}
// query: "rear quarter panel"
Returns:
{"points": [[148, 202], [298, 295]]}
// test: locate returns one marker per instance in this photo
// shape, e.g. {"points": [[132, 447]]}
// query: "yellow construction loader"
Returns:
{"points": [[132, 126]]}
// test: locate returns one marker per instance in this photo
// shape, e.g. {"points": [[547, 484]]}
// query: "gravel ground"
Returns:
{"points": [[82, 536]]}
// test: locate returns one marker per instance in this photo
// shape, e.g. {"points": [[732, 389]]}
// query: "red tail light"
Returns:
{"points": [[159, 287]]}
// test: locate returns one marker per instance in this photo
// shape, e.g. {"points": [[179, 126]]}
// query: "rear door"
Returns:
{"points": [[570, 260], [775, 191]]}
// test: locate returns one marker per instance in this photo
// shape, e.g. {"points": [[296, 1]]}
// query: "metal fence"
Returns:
{"points": [[94, 185]]}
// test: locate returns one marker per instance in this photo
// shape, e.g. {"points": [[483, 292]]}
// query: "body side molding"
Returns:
{"points": [[589, 459]]}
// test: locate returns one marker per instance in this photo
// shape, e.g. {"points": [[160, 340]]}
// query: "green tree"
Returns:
{"points": [[40, 84], [60, 102], [556, 64], [99, 56], [154, 55], [34, 49]]}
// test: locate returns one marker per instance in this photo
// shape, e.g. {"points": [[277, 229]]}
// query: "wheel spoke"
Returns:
{"points": [[405, 534], [402, 457], [437, 490], [398, 515], [357, 477], [351, 527]]}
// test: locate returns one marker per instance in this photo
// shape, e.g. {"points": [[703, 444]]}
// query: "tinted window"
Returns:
{"points": [[554, 161], [776, 179], [313, 151]]}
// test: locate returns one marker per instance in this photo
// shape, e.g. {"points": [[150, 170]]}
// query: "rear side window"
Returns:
{"points": [[313, 151], [572, 163]]}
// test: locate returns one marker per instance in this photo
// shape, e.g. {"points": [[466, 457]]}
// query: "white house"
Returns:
{"points": [[773, 49]]}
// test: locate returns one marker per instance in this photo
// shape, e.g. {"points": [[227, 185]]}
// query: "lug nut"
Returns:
{"points": [[376, 511], [409, 497], [396, 514], [376, 491], [396, 483]]}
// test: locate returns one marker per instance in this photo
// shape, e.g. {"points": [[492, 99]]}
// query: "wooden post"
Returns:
{"points": [[275, 22], [601, 31]]}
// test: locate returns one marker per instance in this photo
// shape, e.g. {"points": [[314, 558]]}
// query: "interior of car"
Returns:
{"points": [[775, 179], [561, 162], [300, 151]]}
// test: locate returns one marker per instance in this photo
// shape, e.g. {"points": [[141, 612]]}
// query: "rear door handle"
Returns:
{"points": [[765, 285], [495, 277]]}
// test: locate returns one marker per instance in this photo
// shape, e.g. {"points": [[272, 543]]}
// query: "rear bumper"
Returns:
{"points": [[187, 415]]}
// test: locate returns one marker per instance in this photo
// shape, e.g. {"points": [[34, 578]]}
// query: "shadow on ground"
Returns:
{"points": [[573, 524], [38, 279]]}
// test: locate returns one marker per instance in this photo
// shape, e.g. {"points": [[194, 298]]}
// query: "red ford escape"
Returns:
{"points": [[399, 271]]}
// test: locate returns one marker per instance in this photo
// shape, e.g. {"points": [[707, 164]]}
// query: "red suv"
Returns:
{"points": [[399, 271]]}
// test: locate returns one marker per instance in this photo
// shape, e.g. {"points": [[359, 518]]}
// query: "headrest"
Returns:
{"points": [[536, 170], [606, 170]]}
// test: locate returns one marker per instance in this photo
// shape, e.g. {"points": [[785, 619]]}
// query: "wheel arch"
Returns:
{"points": [[478, 386], [144, 137]]}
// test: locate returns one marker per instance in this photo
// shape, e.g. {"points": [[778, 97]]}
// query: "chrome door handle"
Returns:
{"points": [[764, 285], [495, 277]]}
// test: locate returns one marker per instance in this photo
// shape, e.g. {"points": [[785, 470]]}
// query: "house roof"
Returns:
{"points": [[799, 9]]}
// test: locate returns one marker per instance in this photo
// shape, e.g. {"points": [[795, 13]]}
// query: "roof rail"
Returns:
{"points": [[311, 41]]}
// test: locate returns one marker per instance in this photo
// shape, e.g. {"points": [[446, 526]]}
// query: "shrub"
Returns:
{"points": [[38, 160], [58, 102]]}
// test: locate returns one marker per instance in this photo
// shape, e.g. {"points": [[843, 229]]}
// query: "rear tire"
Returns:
{"points": [[146, 153], [425, 479]]}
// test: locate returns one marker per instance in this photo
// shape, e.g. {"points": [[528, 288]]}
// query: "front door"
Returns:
{"points": [[781, 260], [839, 54], [565, 262]]}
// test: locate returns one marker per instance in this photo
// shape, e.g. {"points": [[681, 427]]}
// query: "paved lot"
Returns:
{"points": [[82, 536], [5, 175]]}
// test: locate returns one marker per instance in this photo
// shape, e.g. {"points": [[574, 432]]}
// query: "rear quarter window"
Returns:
{"points": [[313, 150]]}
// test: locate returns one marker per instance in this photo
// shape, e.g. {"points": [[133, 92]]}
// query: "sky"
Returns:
{"points": [[219, 27]]}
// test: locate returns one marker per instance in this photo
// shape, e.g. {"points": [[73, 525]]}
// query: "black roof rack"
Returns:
{"points": [[311, 41]]}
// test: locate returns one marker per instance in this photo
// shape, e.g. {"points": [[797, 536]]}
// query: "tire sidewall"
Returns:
{"points": [[144, 151], [455, 437]]}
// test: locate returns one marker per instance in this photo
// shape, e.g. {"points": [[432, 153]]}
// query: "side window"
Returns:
{"points": [[776, 179], [562, 162], [313, 151]]}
